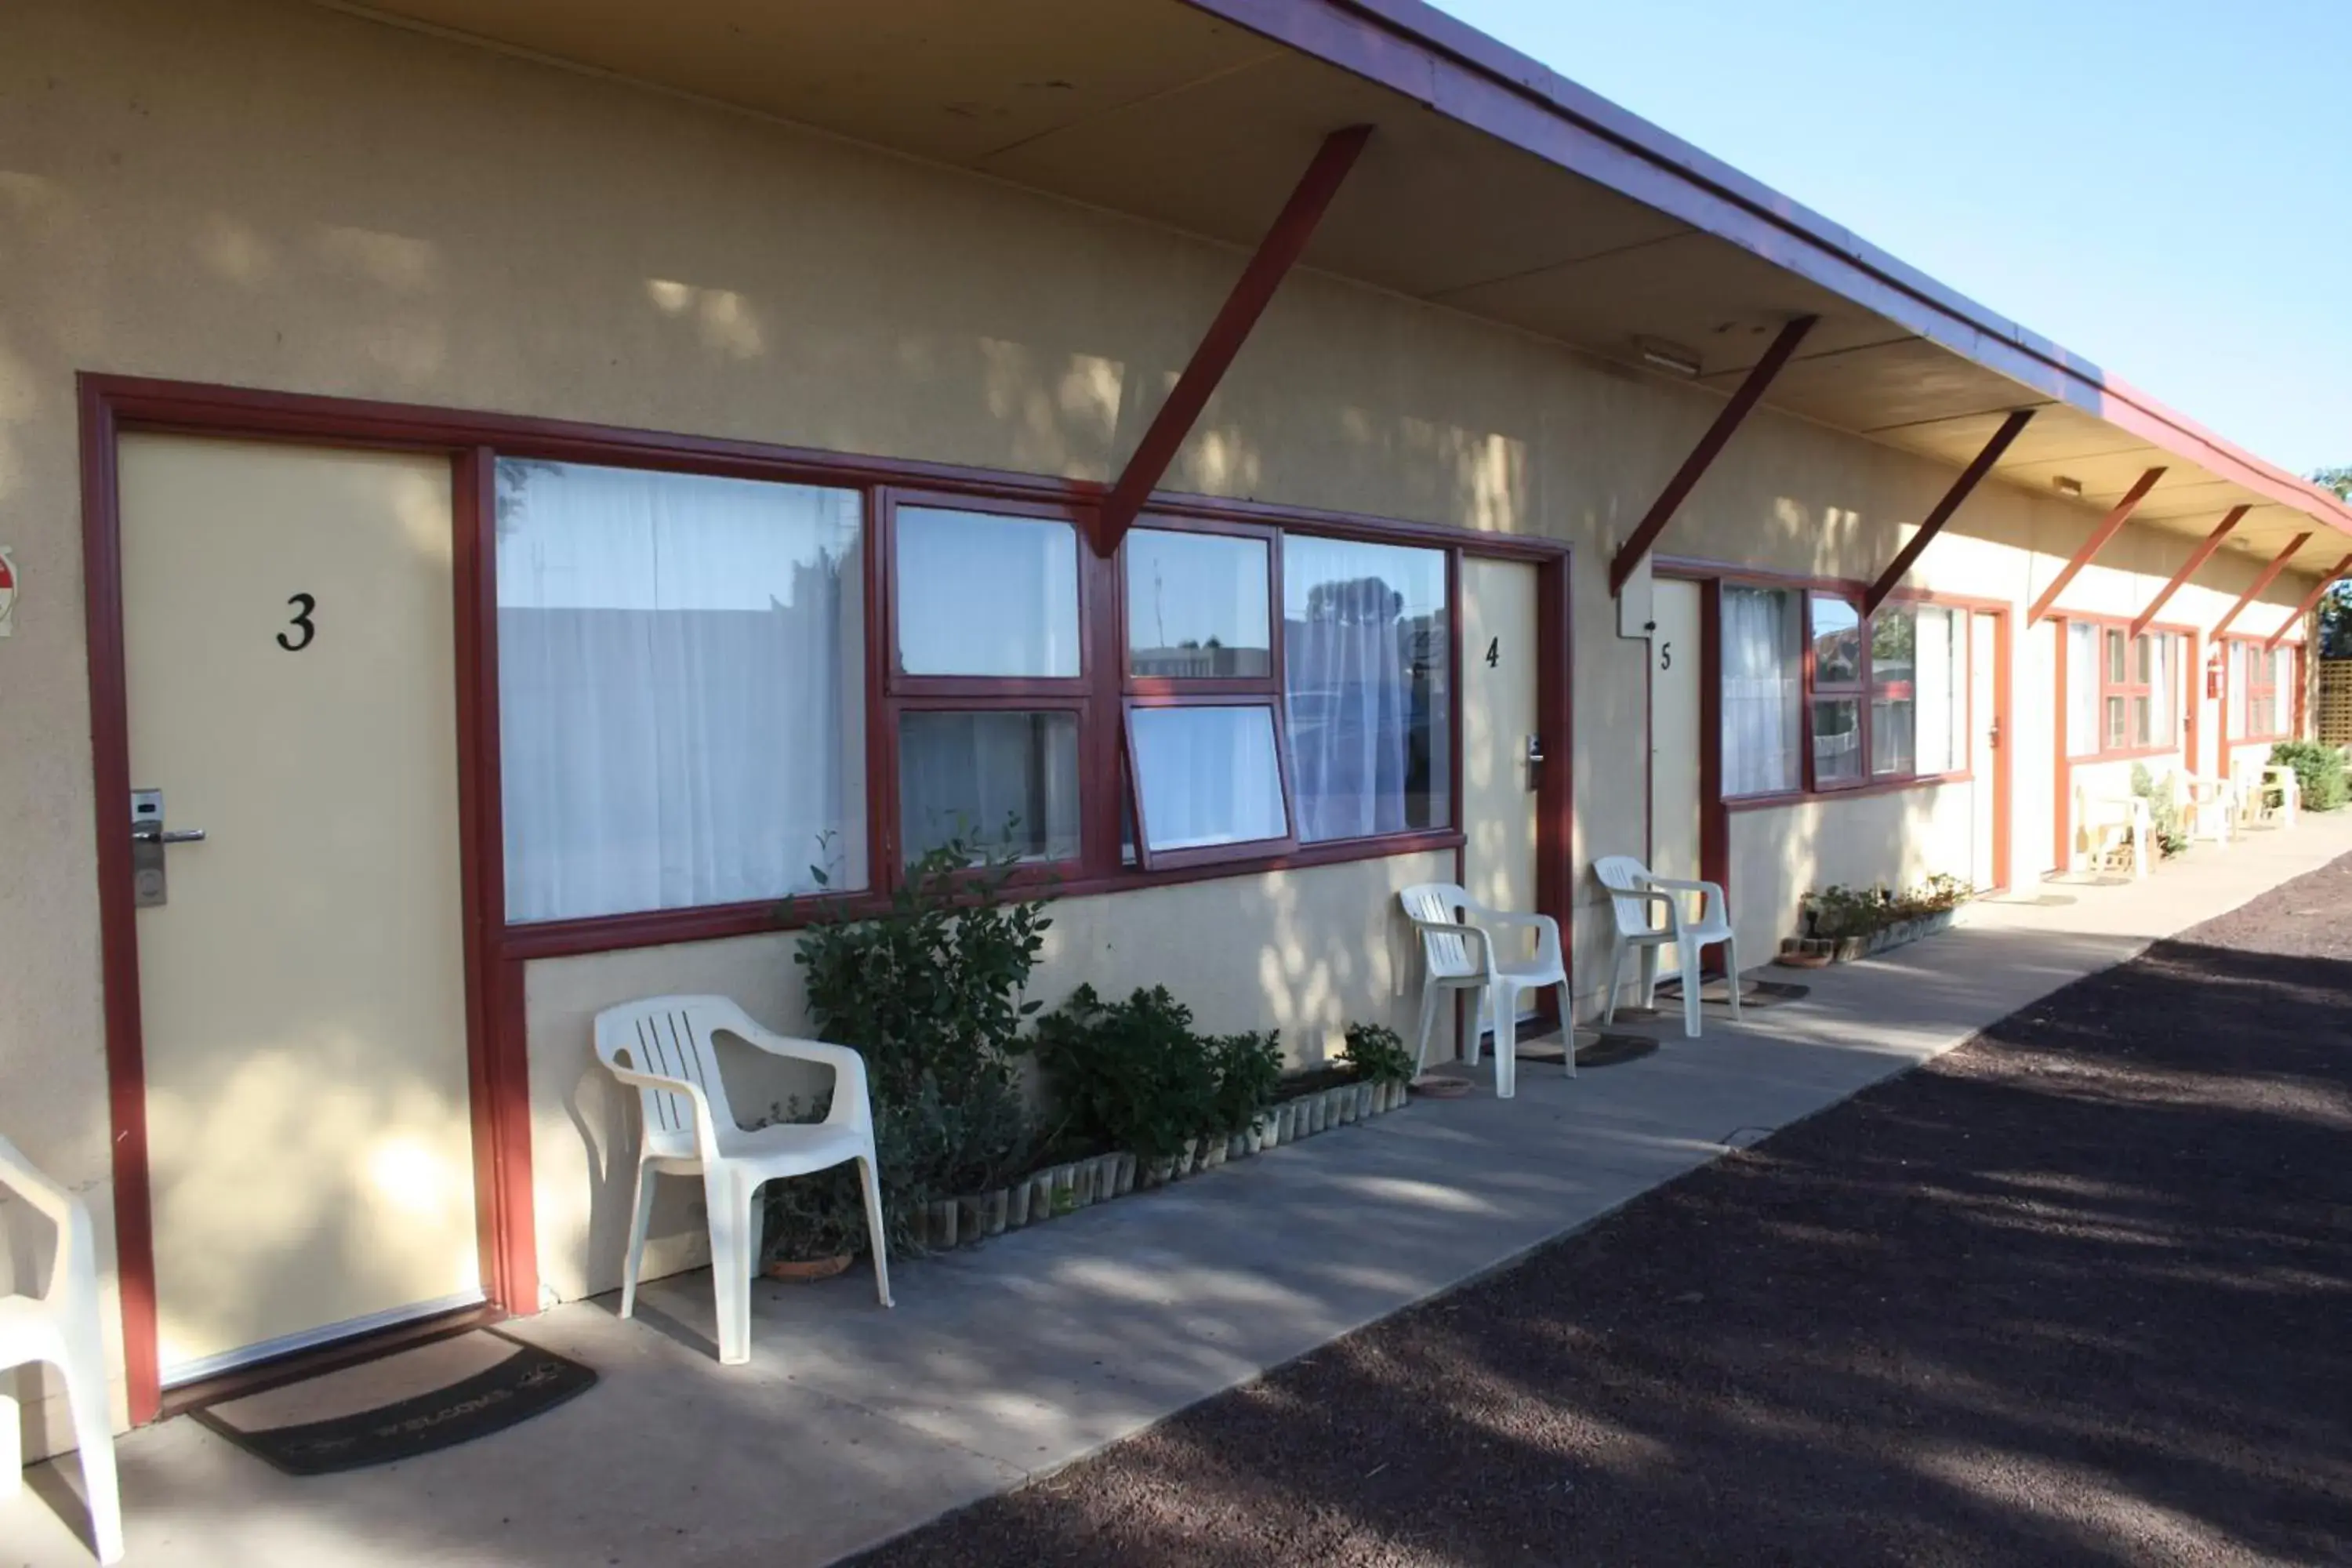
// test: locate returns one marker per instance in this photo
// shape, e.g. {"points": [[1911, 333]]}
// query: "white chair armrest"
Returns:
{"points": [[20, 1177], [1547, 930], [705, 1126], [850, 1101], [1714, 899], [1468, 932]]}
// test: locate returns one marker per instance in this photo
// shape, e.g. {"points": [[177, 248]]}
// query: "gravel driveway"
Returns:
{"points": [[2078, 1291]]}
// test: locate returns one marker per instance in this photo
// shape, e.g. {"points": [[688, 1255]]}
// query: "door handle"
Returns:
{"points": [[168, 835]]}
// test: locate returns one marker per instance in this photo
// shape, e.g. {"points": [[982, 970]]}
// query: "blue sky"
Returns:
{"points": [[2162, 186]]}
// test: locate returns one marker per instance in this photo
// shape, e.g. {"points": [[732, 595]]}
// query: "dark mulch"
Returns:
{"points": [[2080, 1292]]}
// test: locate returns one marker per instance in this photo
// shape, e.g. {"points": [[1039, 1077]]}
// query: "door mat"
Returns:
{"points": [[411, 1402], [1593, 1048], [1752, 994], [2031, 900]]}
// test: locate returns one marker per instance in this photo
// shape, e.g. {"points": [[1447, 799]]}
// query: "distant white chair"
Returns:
{"points": [[2267, 791], [2207, 806], [662, 1045], [62, 1327], [1637, 897], [1459, 952], [2107, 826]]}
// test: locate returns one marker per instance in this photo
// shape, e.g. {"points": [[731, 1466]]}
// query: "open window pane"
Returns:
{"points": [[681, 691], [1763, 690], [1196, 606], [1837, 738], [1939, 672], [2117, 672], [1006, 783], [2082, 689], [980, 594], [1366, 656], [1837, 642], [1208, 776], [2117, 736]]}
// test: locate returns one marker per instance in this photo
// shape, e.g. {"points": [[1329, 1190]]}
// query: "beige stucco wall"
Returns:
{"points": [[274, 195], [1306, 951], [1780, 853]]}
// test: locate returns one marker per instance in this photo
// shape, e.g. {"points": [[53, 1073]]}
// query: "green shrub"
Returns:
{"points": [[1377, 1053], [2163, 823], [1839, 911], [1128, 1075], [2318, 769], [928, 992], [1248, 1069]]}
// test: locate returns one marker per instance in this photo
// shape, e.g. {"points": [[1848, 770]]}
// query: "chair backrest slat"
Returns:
{"points": [[1625, 877], [1447, 953], [670, 1037]]}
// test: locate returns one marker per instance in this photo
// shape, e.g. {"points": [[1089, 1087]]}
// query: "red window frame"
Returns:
{"points": [[2269, 688], [2129, 689]]}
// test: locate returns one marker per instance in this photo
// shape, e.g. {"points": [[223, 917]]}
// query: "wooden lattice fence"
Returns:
{"points": [[2335, 726]]}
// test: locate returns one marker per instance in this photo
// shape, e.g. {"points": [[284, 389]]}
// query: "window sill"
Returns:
{"points": [[1846, 792], [660, 928], [2128, 754]]}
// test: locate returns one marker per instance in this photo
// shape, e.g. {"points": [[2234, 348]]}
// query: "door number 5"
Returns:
{"points": [[1665, 656], [303, 605]]}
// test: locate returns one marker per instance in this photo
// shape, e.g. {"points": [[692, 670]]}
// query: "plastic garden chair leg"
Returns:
{"points": [[1429, 992], [1687, 951], [12, 1447], [1731, 972], [874, 1230], [1616, 979], [94, 1437], [641, 1219], [1568, 1026], [730, 1209], [1648, 975], [1507, 1040]]}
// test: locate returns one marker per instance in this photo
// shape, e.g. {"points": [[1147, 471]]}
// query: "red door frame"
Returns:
{"points": [[498, 1078]]}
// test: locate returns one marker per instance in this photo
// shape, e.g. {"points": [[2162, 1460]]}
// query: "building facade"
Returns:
{"points": [[555, 499]]}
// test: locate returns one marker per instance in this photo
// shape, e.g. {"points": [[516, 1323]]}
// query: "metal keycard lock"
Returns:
{"points": [[1535, 761], [150, 888]]}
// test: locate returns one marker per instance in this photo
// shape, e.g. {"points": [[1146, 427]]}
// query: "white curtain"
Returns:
{"points": [[1941, 696], [2237, 691], [681, 690], [1763, 685], [2164, 716], [1208, 775], [1005, 782], [1365, 651], [2082, 689]]}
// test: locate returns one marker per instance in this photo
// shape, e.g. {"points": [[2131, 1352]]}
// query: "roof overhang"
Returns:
{"points": [[1493, 186]]}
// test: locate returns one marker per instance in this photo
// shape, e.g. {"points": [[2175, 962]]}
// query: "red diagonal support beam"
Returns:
{"points": [[2270, 575], [1710, 446], [1933, 525], [2109, 526], [2197, 557], [1277, 254], [2309, 599]]}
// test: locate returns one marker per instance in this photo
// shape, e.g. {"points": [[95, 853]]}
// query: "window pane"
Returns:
{"points": [[681, 691], [1940, 689], [1837, 642], [986, 595], [1837, 738], [2081, 689], [2115, 670], [1006, 782], [2144, 651], [2164, 704], [2236, 675], [2115, 732], [1207, 775], [1894, 658], [1196, 605], [1367, 672], [1763, 689], [2143, 731]]}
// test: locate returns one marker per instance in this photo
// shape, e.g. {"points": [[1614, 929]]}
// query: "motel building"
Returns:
{"points": [[527, 479]]}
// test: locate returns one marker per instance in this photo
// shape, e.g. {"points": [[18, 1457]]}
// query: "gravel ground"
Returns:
{"points": [[2079, 1291]]}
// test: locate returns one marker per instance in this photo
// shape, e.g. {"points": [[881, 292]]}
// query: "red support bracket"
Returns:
{"points": [[2109, 526], [2309, 599], [2197, 557], [1277, 254], [1710, 446], [1933, 524], [2270, 575]]}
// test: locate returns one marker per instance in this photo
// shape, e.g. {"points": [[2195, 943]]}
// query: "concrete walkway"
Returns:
{"points": [[1001, 1363]]}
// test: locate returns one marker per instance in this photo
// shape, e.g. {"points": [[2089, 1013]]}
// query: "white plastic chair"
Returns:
{"points": [[62, 1327], [2265, 790], [1635, 895], [2110, 824], [2207, 806], [662, 1045], [1457, 949]]}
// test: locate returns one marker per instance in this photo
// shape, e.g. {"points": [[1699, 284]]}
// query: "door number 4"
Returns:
{"points": [[1494, 652]]}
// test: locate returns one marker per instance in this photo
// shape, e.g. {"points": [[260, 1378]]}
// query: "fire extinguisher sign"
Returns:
{"points": [[7, 591]]}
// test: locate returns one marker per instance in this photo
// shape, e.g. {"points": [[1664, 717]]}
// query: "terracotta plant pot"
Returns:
{"points": [[804, 1268]]}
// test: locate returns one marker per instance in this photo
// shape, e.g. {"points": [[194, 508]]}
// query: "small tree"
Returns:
{"points": [[2335, 604]]}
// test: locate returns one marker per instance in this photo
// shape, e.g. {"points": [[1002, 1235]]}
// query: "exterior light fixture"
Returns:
{"points": [[1668, 356], [2066, 486]]}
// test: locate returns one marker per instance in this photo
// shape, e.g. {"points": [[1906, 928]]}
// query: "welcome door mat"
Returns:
{"points": [[1752, 994], [412, 1402], [1593, 1048]]}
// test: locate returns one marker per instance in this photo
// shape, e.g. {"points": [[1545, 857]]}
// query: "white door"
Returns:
{"points": [[1499, 682], [1984, 744], [287, 630], [1673, 848]]}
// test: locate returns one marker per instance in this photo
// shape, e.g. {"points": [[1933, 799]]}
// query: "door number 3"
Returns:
{"points": [[303, 605]]}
